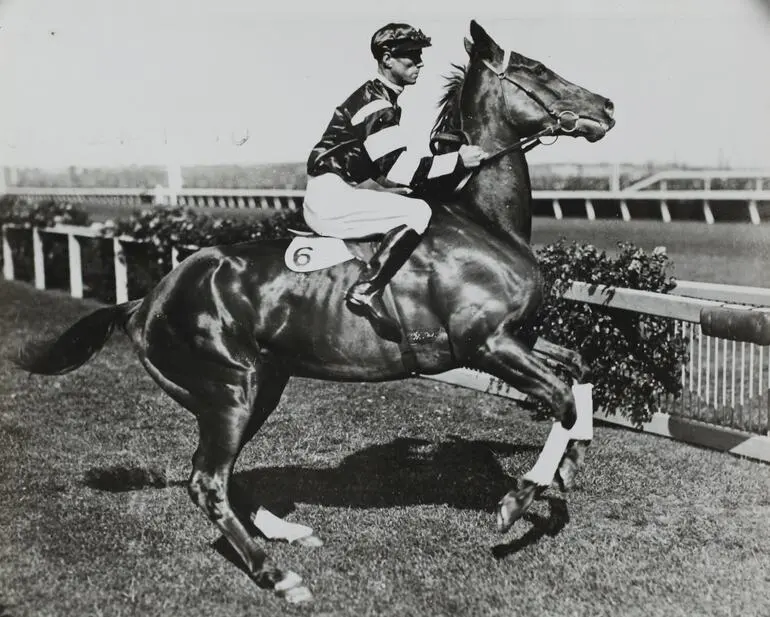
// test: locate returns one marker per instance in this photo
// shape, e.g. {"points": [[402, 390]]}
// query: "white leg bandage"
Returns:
{"points": [[547, 463], [275, 528], [584, 404]]}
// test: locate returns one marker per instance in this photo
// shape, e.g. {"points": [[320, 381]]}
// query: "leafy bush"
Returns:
{"points": [[634, 358], [162, 229], [18, 211]]}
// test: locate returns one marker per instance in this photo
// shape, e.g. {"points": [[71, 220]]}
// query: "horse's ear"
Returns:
{"points": [[483, 44], [468, 46]]}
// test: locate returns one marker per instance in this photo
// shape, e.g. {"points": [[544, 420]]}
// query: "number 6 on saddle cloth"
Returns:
{"points": [[308, 252]]}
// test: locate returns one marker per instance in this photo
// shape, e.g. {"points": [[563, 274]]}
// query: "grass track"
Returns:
{"points": [[398, 478], [731, 253]]}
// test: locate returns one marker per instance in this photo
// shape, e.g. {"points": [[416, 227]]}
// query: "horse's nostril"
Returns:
{"points": [[609, 108]]}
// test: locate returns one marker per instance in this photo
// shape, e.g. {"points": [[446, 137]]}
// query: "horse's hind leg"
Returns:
{"points": [[271, 383], [513, 362], [229, 413]]}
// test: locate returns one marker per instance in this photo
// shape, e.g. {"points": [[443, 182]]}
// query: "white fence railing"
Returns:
{"points": [[623, 204], [725, 381], [706, 178]]}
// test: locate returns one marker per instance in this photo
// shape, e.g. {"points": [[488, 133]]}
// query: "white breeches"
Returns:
{"points": [[334, 208]]}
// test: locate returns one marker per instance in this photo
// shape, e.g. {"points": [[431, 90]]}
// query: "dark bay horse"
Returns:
{"points": [[223, 333]]}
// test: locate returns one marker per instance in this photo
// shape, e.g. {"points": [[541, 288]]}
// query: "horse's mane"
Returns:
{"points": [[449, 112]]}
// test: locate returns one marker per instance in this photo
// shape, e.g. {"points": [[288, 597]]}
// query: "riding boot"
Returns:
{"points": [[365, 295]]}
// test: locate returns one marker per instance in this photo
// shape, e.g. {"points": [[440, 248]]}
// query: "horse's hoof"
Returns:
{"points": [[311, 541], [569, 418], [503, 524], [513, 506], [291, 589], [565, 475]]}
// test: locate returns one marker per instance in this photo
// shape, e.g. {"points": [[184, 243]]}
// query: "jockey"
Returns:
{"points": [[363, 143]]}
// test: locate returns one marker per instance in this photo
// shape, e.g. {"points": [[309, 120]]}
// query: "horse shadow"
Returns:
{"points": [[460, 473], [407, 471]]}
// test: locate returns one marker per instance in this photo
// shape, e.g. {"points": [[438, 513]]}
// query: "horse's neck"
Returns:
{"points": [[500, 193], [456, 215]]}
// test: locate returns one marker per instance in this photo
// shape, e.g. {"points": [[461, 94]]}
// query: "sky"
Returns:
{"points": [[112, 82]]}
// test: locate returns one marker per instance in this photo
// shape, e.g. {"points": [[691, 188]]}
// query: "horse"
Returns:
{"points": [[224, 331]]}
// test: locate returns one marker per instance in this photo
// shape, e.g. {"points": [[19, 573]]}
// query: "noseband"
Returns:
{"points": [[565, 120]]}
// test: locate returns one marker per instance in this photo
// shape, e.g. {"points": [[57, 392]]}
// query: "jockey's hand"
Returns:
{"points": [[472, 156]]}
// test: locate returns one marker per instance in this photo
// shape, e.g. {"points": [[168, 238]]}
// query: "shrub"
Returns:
{"points": [[634, 358], [18, 211], [162, 229]]}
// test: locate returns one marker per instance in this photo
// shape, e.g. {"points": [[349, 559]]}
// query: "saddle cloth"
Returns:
{"points": [[308, 252]]}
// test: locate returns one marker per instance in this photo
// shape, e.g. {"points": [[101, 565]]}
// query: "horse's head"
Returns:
{"points": [[528, 95]]}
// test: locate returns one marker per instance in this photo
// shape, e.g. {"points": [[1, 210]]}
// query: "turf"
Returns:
{"points": [[732, 253], [400, 480]]}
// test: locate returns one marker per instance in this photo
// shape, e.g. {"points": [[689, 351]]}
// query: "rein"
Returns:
{"points": [[565, 120]]}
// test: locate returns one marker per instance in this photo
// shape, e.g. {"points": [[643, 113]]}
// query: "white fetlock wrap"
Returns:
{"points": [[544, 470], [275, 528], [584, 406]]}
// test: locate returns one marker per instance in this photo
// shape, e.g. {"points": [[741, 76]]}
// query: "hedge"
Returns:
{"points": [[634, 358]]}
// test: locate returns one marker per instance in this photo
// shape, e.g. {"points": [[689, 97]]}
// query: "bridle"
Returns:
{"points": [[566, 120]]}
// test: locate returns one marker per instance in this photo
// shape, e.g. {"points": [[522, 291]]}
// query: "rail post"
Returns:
{"points": [[8, 273], [76, 266], [753, 210], [557, 213], [624, 211], [39, 258], [121, 272], [708, 215], [665, 213]]}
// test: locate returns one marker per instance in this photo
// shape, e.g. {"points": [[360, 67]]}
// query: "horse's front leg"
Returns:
{"points": [[565, 358], [573, 363], [508, 359], [571, 463]]}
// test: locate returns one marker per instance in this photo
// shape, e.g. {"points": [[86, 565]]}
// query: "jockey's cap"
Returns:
{"points": [[398, 38]]}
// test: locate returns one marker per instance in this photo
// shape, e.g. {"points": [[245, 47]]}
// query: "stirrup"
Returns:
{"points": [[373, 308]]}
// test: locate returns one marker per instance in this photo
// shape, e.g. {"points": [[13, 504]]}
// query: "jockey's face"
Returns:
{"points": [[403, 69]]}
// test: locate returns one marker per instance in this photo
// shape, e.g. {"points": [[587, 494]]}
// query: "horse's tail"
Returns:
{"points": [[78, 344]]}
